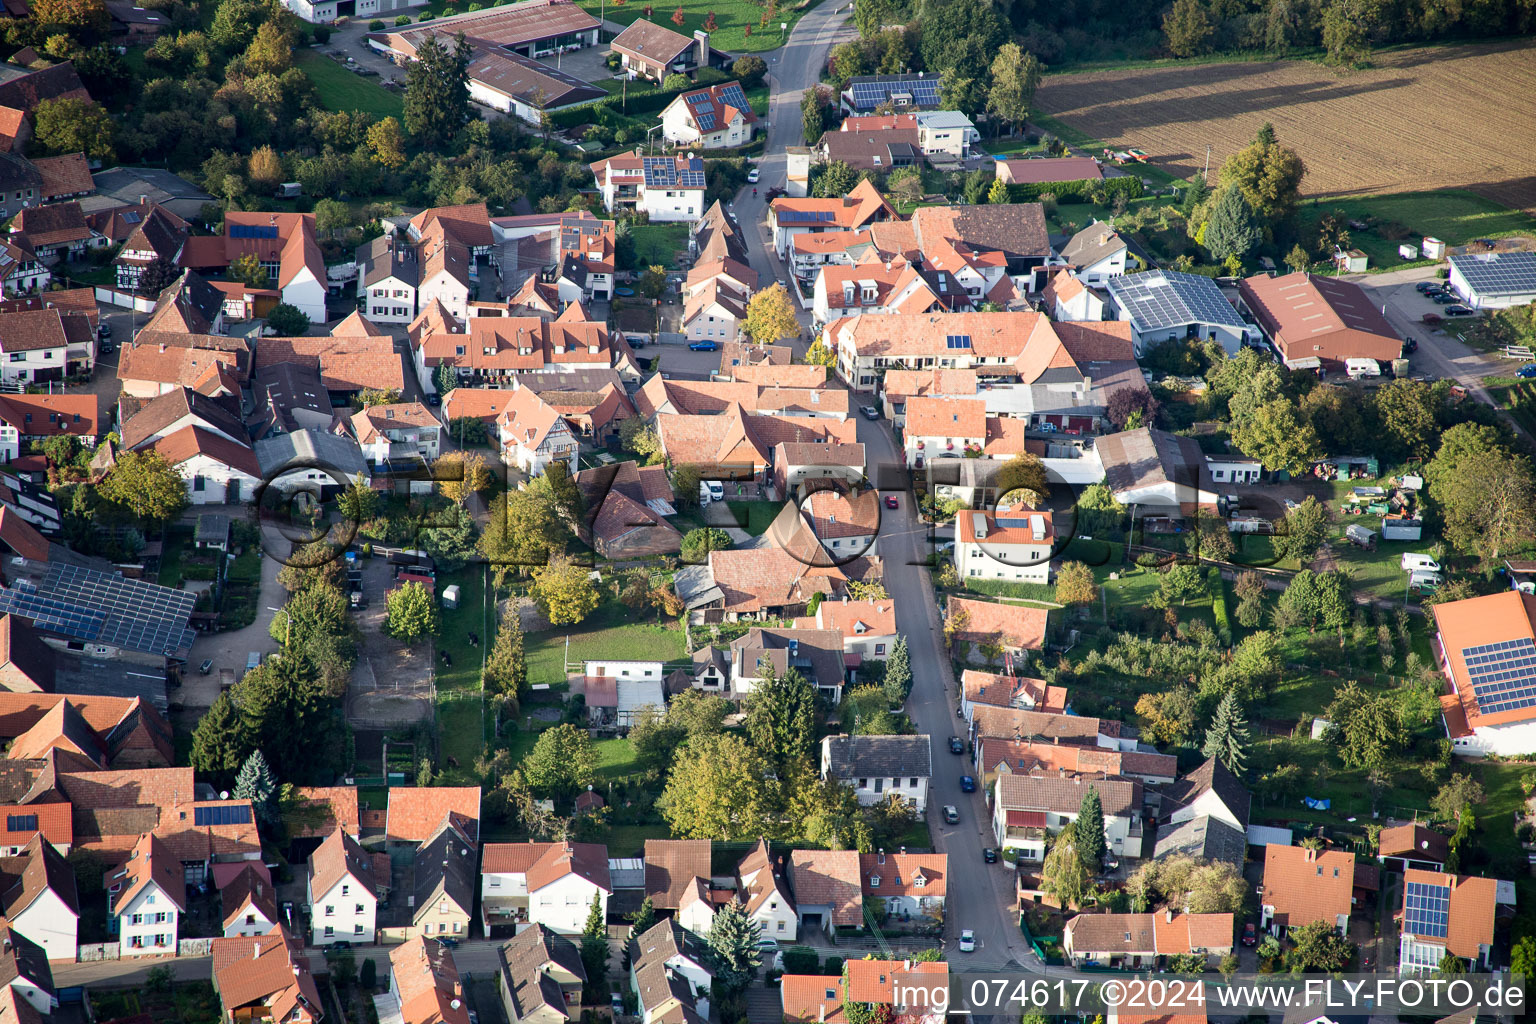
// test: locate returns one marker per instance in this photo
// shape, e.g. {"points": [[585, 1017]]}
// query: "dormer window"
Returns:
{"points": [[919, 880], [874, 881]]}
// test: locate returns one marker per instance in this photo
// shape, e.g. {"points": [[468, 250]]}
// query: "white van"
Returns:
{"points": [[1414, 563], [716, 490], [1423, 578], [703, 492]]}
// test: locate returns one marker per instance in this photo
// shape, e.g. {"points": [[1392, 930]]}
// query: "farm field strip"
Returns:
{"points": [[1439, 117]]}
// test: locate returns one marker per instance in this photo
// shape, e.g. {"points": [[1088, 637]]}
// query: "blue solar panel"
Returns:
{"points": [[229, 814], [958, 341], [733, 95], [105, 608], [805, 216], [706, 122], [1427, 910], [21, 823], [1503, 674], [252, 231]]}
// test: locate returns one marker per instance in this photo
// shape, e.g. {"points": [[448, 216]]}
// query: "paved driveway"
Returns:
{"points": [[230, 650]]}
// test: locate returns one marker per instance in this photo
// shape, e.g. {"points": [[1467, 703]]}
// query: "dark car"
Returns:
{"points": [[1250, 935], [956, 745], [105, 348], [1526, 372], [967, 784], [989, 854], [703, 346], [104, 331], [1460, 310], [434, 399], [1425, 286], [1442, 298]]}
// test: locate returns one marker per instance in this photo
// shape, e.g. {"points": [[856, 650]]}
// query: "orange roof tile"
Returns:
{"points": [[828, 878], [899, 874], [1473, 904], [1305, 885], [415, 814], [812, 999], [874, 981], [1476, 621], [1018, 625]]}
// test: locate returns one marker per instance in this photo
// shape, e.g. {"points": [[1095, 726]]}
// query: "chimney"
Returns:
{"points": [[1168, 915], [162, 346], [880, 856], [702, 39]]}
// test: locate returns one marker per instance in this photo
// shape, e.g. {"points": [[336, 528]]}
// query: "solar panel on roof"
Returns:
{"points": [[1170, 299], [805, 216], [1502, 273], [958, 341], [706, 122], [733, 95], [253, 231], [131, 218], [104, 608], [1503, 674], [1427, 910], [232, 814]]}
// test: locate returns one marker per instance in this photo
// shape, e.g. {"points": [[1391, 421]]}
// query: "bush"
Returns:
{"points": [[1526, 833], [402, 20], [375, 25], [800, 960], [1078, 191], [322, 34], [425, 16], [833, 966]]}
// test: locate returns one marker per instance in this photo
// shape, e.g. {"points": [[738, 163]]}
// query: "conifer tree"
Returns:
{"points": [[1227, 738], [255, 783]]}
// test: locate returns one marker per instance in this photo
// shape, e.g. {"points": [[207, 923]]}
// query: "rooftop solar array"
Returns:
{"points": [[957, 341], [871, 91], [1168, 298], [253, 231], [104, 608], [1503, 675], [1427, 911], [806, 217], [1498, 273], [663, 172], [731, 93], [225, 814]]}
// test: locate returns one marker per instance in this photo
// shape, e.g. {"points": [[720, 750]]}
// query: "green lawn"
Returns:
{"points": [[340, 89], [460, 721], [609, 633], [173, 551], [659, 244], [754, 516], [1454, 217], [732, 17], [629, 840], [615, 757]]}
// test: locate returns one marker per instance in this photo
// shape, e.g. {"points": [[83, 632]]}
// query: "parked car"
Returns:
{"points": [[703, 346], [104, 331], [951, 815], [956, 744], [967, 784], [1425, 286], [891, 502], [1526, 372], [768, 945], [1410, 345], [870, 412], [106, 348], [967, 941], [989, 854], [434, 399], [1442, 298], [1250, 935], [1460, 310]]}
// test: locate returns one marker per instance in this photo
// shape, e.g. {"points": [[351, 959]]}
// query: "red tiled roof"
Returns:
{"points": [[1019, 626], [828, 878], [812, 999], [1305, 885], [874, 981], [415, 814], [1472, 906], [899, 874], [1473, 622]]}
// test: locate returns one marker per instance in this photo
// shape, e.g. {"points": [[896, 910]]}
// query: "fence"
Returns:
{"points": [[194, 947], [113, 297], [99, 951]]}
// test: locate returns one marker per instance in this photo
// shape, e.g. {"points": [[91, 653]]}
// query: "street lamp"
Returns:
{"points": [[650, 141]]}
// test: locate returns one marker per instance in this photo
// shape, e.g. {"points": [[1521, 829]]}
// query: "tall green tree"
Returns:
{"points": [[1303, 530], [718, 789], [1227, 738], [732, 943], [1404, 418], [146, 485], [1088, 831], [1015, 77], [770, 317], [1268, 175], [521, 532], [359, 502], [293, 720], [221, 741], [564, 591], [506, 667], [1187, 28], [1233, 229], [898, 672], [781, 718], [411, 614], [1278, 436], [72, 125], [561, 763], [1488, 504], [1063, 875], [642, 920], [449, 535], [956, 32], [1317, 947], [1365, 726], [256, 784], [594, 949], [437, 92]]}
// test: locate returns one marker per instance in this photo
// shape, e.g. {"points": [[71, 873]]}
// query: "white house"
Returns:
{"points": [[909, 884], [249, 903], [680, 951], [946, 133], [25, 964], [218, 471], [868, 628], [877, 767], [764, 896], [42, 904], [1098, 253], [1010, 544], [1067, 298], [1162, 473], [398, 432], [667, 188], [1026, 807], [342, 892], [531, 434], [388, 273], [549, 884], [666, 974], [447, 275], [1166, 305], [943, 428], [42, 345], [315, 461], [1486, 645], [715, 312], [1446, 914], [619, 691], [148, 897], [718, 117], [1494, 280], [1233, 468]]}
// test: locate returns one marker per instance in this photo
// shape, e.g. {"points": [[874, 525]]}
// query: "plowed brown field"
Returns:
{"points": [[1439, 117]]}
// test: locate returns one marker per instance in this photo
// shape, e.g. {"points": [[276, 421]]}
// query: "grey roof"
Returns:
{"points": [[1145, 457], [816, 653], [282, 388], [1168, 298], [311, 448], [386, 257], [212, 526], [446, 863], [522, 78], [1095, 242], [17, 172], [570, 380], [1204, 837], [1213, 776], [1493, 274], [882, 756], [695, 584], [524, 960], [160, 186]]}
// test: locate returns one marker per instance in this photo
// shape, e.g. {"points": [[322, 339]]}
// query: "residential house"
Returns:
{"points": [[1205, 812], [424, 983], [944, 134], [1303, 886], [760, 582], [1413, 847], [897, 387], [318, 462], [1444, 913], [715, 311], [868, 628], [619, 692], [877, 150], [1013, 544], [676, 872], [217, 470], [1015, 628], [594, 415], [499, 349], [790, 217], [531, 434], [811, 252], [21, 272], [1163, 473], [42, 345], [892, 982], [706, 398], [911, 885], [648, 50], [843, 526], [1098, 252], [998, 755], [764, 894], [445, 873], [716, 236], [416, 815], [284, 243], [1005, 691], [529, 89], [943, 428], [718, 117], [398, 432], [24, 965], [1048, 170], [147, 898], [265, 978], [894, 286], [1026, 807], [668, 977], [665, 188], [738, 446], [877, 768], [812, 999], [1485, 645], [158, 237], [865, 94], [249, 904], [1067, 298], [388, 275], [539, 977], [347, 364], [1493, 280], [176, 410], [447, 275], [1319, 323], [18, 178], [1204, 838], [546, 884], [342, 891], [533, 28], [741, 279], [28, 418], [991, 343], [133, 733], [1136, 941], [827, 890], [816, 654], [800, 466], [629, 505], [55, 232], [39, 899], [1168, 305]]}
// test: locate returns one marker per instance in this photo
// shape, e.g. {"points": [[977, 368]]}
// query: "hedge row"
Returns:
{"points": [[1078, 191]]}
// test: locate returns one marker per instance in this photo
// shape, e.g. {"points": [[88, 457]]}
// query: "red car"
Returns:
{"points": [[1250, 935], [890, 501]]}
